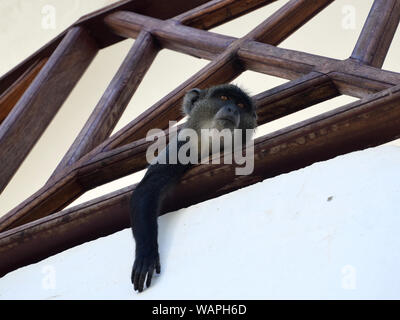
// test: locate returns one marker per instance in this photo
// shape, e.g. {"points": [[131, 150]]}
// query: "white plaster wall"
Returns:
{"points": [[327, 231]]}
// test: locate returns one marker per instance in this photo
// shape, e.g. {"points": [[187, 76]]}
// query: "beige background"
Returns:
{"points": [[22, 31]]}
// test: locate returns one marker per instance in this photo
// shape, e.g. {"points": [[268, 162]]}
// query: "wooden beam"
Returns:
{"points": [[287, 20], [39, 104], [356, 126], [214, 13], [208, 45], [356, 86], [377, 33], [294, 96], [8, 79], [291, 64], [152, 8], [283, 63], [195, 42], [114, 100], [10, 97]]}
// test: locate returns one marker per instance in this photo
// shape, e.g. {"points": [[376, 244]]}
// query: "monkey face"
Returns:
{"points": [[220, 107]]}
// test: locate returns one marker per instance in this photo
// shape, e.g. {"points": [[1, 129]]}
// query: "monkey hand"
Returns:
{"points": [[143, 266]]}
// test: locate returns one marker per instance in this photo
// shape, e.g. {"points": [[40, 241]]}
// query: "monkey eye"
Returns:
{"points": [[240, 105], [224, 98]]}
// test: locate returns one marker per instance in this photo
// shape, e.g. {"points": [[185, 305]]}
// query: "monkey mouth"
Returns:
{"points": [[227, 119]]}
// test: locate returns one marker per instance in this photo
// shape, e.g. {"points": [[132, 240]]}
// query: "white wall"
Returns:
{"points": [[327, 231]]}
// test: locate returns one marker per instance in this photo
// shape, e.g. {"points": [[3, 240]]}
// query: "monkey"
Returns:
{"points": [[219, 107]]}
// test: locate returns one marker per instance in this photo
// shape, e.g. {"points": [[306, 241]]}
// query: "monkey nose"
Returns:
{"points": [[232, 110]]}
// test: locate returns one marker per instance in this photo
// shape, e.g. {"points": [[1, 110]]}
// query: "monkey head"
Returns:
{"points": [[220, 107]]}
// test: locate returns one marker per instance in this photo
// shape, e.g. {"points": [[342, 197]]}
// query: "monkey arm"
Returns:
{"points": [[146, 203]]}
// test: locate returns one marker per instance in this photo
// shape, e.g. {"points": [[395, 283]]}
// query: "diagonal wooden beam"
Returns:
{"points": [[10, 97], [287, 20], [294, 96], [359, 125], [153, 8], [216, 12], [377, 33], [114, 100], [41, 101], [7, 80]]}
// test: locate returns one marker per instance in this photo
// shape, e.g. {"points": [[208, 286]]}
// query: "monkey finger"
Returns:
{"points": [[133, 275], [136, 277], [149, 276], [134, 269], [141, 280], [136, 281]]}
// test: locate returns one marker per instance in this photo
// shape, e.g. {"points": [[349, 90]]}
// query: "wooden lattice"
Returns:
{"points": [[32, 93]]}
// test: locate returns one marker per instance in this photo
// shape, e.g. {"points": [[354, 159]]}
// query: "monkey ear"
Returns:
{"points": [[190, 98]]}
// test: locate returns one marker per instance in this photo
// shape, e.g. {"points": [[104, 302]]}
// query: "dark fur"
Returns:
{"points": [[203, 107]]}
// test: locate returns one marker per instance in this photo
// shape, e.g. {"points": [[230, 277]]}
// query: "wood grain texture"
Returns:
{"points": [[377, 33], [362, 124], [287, 20], [359, 80], [291, 64], [169, 34], [7, 80], [114, 100], [214, 13], [153, 8], [39, 104], [10, 97], [294, 96]]}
